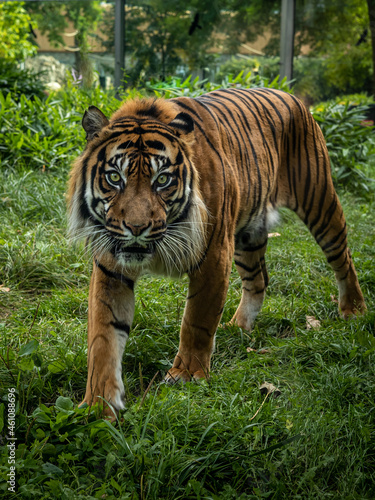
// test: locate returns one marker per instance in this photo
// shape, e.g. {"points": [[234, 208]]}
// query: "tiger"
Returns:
{"points": [[185, 186]]}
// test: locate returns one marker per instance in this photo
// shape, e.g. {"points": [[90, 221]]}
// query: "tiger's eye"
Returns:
{"points": [[162, 179], [114, 177]]}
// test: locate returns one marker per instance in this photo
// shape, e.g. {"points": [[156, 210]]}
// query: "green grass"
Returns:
{"points": [[215, 440]]}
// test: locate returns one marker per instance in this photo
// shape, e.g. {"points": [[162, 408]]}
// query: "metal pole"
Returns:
{"points": [[119, 42], [287, 39]]}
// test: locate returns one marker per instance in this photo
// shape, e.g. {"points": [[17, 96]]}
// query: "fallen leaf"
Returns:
{"points": [[264, 351], [261, 351], [273, 235], [333, 299], [267, 388], [4, 288], [312, 323]]}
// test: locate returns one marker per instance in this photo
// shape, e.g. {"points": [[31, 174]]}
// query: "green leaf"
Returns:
{"points": [[56, 367], [49, 468], [29, 348], [26, 364], [116, 485], [64, 403]]}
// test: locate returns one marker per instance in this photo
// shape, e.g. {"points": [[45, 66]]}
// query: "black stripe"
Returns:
{"points": [[244, 266], [335, 239], [327, 217], [250, 248], [116, 276], [346, 275], [121, 325], [252, 278], [249, 269], [337, 256]]}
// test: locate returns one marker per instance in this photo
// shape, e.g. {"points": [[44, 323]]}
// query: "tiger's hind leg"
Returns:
{"points": [[250, 263], [327, 225], [332, 238]]}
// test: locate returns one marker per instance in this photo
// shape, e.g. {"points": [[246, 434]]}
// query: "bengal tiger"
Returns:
{"points": [[183, 186]]}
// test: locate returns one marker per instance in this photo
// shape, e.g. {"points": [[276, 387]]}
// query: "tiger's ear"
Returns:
{"points": [[93, 121], [183, 125]]}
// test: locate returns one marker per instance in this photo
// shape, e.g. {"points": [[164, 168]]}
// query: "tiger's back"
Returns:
{"points": [[264, 145]]}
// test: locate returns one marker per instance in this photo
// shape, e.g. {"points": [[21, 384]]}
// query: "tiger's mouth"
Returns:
{"points": [[138, 249], [134, 253]]}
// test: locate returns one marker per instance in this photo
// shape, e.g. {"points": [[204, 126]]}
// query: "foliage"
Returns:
{"points": [[165, 38], [174, 87], [163, 35], [335, 30], [350, 70], [319, 25], [351, 145], [19, 82], [42, 133], [15, 44], [53, 19], [37, 132], [315, 79]]}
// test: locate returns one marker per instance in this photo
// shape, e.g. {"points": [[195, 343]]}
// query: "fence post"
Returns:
{"points": [[119, 42], [287, 39]]}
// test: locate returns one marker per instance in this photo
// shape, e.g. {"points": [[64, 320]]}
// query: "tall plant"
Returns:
{"points": [[15, 42]]}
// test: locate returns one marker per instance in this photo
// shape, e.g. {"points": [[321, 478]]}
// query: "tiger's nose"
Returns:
{"points": [[137, 229]]}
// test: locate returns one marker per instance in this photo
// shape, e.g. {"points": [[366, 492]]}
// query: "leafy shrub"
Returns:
{"points": [[174, 87], [235, 65], [38, 133], [17, 82], [313, 77], [42, 132], [351, 145], [15, 43], [348, 71]]}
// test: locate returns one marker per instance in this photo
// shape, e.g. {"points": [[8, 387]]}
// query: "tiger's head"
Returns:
{"points": [[134, 191]]}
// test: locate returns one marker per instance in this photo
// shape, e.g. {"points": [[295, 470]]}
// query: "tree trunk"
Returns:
{"points": [[82, 62], [371, 13]]}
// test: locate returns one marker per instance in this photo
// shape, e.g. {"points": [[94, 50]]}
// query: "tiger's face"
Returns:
{"points": [[137, 194]]}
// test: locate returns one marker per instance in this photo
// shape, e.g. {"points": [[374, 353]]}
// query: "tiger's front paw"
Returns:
{"points": [[175, 375], [109, 395], [192, 367]]}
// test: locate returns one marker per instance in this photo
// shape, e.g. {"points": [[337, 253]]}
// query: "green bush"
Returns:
{"points": [[351, 145], [174, 87], [17, 82], [313, 78], [15, 42], [37, 133], [44, 132]]}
